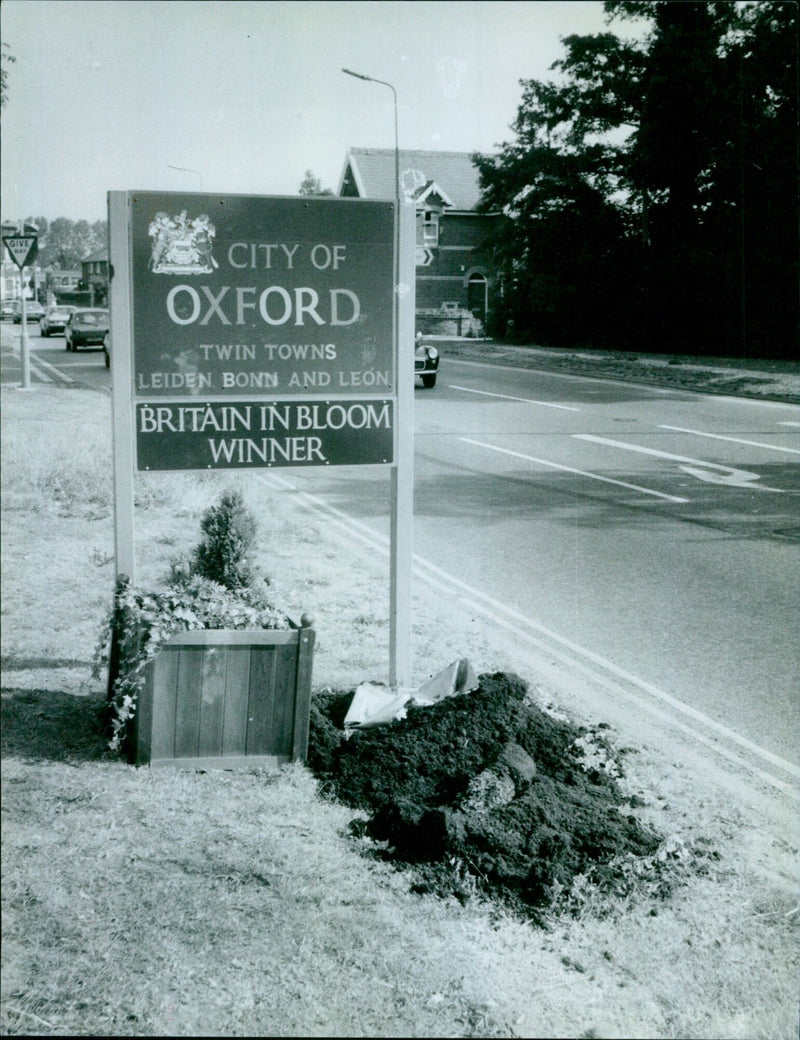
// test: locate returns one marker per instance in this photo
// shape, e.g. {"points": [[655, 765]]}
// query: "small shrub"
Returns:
{"points": [[229, 533]]}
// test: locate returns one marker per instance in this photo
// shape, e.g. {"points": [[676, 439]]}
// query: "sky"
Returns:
{"points": [[246, 95]]}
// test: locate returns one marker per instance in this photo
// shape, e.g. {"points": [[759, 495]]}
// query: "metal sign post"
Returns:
{"points": [[22, 249], [402, 497], [121, 310]]}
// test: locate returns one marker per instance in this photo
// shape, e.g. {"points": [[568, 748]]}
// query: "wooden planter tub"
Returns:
{"points": [[225, 699]]}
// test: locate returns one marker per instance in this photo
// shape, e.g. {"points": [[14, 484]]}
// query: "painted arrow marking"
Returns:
{"points": [[729, 476]]}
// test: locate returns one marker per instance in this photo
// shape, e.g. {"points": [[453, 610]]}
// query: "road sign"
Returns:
{"points": [[22, 248], [423, 256], [286, 296]]}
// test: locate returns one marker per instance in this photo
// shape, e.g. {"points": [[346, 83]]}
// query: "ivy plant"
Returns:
{"points": [[212, 589]]}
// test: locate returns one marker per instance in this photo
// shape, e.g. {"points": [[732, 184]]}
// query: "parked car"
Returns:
{"points": [[87, 327], [54, 319], [7, 310], [426, 362], [33, 311]]}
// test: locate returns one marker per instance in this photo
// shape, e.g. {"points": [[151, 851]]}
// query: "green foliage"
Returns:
{"points": [[63, 243], [649, 197], [224, 554], [312, 185], [209, 589], [142, 622]]}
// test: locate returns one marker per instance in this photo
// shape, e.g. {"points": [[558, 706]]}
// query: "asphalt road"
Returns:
{"points": [[646, 539], [50, 363]]}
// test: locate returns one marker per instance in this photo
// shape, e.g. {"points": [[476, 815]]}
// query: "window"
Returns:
{"points": [[430, 228]]}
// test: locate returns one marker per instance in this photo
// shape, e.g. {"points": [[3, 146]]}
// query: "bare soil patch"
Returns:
{"points": [[487, 785]]}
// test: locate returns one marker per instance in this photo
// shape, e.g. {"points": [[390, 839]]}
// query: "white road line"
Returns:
{"points": [[784, 423], [47, 367], [740, 478], [570, 469], [508, 397], [573, 655], [89, 363], [39, 366], [735, 440]]}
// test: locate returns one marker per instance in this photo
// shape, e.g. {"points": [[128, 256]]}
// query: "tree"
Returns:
{"points": [[657, 182], [63, 243], [312, 185]]}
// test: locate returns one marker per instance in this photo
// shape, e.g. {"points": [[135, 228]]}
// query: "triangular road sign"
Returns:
{"points": [[23, 248]]}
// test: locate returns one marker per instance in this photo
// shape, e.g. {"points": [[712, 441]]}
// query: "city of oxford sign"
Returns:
{"points": [[235, 295]]}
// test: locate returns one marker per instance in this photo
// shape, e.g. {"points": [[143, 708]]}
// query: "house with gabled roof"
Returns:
{"points": [[455, 279], [94, 275]]}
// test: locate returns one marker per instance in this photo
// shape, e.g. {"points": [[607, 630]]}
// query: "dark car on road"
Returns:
{"points": [[54, 319], [87, 327], [426, 362]]}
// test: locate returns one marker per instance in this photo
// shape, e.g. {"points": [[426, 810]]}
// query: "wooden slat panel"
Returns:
{"points": [[234, 637], [163, 691], [187, 707], [259, 707], [227, 702], [212, 702], [283, 701], [302, 696], [237, 689]]}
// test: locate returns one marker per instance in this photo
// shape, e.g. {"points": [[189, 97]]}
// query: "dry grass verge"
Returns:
{"points": [[170, 903]]}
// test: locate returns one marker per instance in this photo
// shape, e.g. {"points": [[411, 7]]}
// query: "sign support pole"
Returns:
{"points": [[122, 383], [22, 248], [402, 496], [24, 343]]}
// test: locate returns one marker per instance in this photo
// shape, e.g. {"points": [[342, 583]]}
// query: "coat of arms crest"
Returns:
{"points": [[180, 245]]}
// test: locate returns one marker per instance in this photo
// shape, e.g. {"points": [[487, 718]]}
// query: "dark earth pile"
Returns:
{"points": [[486, 781]]}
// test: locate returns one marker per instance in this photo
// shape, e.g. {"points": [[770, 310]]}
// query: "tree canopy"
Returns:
{"points": [[311, 185], [649, 196], [63, 243]]}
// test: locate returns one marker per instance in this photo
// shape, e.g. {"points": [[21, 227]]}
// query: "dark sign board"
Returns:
{"points": [[236, 296], [195, 435]]}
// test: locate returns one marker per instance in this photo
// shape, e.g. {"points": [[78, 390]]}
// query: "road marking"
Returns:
{"points": [[783, 422], [564, 375], [96, 363], [47, 367], [38, 366], [570, 469], [572, 654], [741, 478], [508, 397], [735, 440]]}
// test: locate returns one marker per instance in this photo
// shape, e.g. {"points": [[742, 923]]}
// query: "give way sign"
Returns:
{"points": [[22, 248]]}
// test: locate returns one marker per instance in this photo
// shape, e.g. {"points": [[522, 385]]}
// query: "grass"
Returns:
{"points": [[237, 903]]}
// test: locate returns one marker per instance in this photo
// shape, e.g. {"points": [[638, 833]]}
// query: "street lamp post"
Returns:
{"points": [[402, 479]]}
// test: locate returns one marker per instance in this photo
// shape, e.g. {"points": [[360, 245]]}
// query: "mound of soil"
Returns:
{"points": [[486, 780]]}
